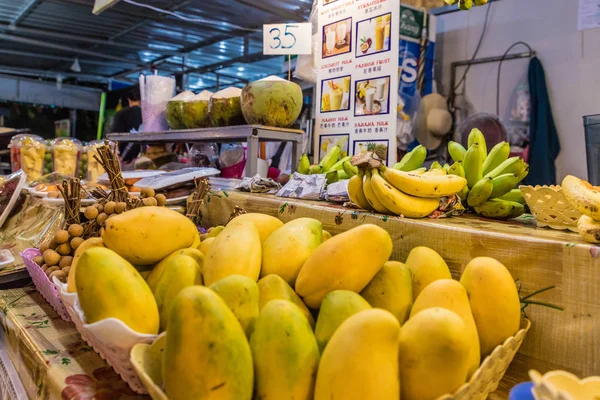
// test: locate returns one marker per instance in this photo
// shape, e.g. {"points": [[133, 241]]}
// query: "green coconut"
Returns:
{"points": [[195, 111], [174, 111], [272, 101], [225, 107]]}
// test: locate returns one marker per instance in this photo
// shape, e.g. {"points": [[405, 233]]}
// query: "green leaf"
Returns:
{"points": [[65, 361], [49, 352]]}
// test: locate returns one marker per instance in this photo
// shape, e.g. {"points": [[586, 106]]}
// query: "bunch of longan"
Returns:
{"points": [[101, 212], [57, 253], [149, 198]]}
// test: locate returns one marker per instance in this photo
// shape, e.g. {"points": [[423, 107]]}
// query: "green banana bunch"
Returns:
{"points": [[480, 192], [514, 195], [304, 165], [332, 157], [473, 163], [500, 209], [465, 4], [446, 167], [457, 151], [315, 169], [435, 165], [497, 156], [503, 184], [476, 136], [513, 165], [336, 175], [457, 169], [350, 169], [339, 164], [464, 193], [412, 160]]}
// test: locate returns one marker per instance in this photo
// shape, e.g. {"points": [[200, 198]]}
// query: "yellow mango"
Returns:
{"points": [[337, 306], [108, 286], [346, 261], [206, 354], [146, 235], [240, 293], [391, 289], [273, 287], [426, 266], [182, 271], [236, 251], [265, 224], [494, 301], [434, 354], [285, 353], [205, 245], [360, 361], [89, 243], [451, 295], [287, 248], [160, 268]]}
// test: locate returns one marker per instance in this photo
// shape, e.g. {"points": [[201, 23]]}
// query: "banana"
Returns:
{"points": [[472, 164], [339, 165], [513, 165], [336, 175], [341, 175], [330, 158], [435, 165], [413, 159], [589, 229], [304, 165], [457, 169], [464, 194], [372, 199], [355, 191], [315, 169], [500, 209], [438, 172], [350, 169], [514, 195], [497, 156], [480, 192], [465, 4], [457, 151], [583, 196], [419, 171], [476, 136], [481, 2], [423, 185], [400, 203], [446, 168], [524, 173], [503, 184]]}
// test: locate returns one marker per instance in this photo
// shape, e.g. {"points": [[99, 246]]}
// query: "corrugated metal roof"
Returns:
{"points": [[47, 35]]}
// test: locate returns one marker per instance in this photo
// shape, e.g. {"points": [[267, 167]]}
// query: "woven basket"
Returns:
{"points": [[110, 338], [146, 360], [43, 284], [550, 207], [561, 385]]}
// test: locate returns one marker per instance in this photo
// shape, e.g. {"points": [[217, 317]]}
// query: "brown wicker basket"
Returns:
{"points": [[550, 207]]}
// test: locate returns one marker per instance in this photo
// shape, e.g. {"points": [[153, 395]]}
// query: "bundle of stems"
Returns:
{"points": [[194, 211], [71, 192], [107, 157]]}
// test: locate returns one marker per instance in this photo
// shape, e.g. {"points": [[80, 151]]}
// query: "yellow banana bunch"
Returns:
{"points": [[424, 185], [373, 200], [356, 192]]}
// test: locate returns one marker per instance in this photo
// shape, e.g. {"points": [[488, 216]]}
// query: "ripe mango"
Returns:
{"points": [[337, 306], [89, 243], [273, 287], [108, 286], [346, 261], [451, 295], [426, 266], [205, 245], [146, 235], [160, 268], [182, 271], [206, 354], [265, 224], [434, 354], [494, 301], [287, 248], [285, 353], [391, 289], [236, 251], [360, 361], [240, 293]]}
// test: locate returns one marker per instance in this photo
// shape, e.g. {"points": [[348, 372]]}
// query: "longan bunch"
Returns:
{"points": [[57, 253], [101, 213], [150, 198]]}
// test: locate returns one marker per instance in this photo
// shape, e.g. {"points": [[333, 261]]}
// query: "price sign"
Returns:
{"points": [[284, 39]]}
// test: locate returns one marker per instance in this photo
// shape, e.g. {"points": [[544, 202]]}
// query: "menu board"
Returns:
{"points": [[357, 86]]}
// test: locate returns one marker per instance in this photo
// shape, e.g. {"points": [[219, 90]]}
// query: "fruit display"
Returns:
{"points": [[65, 156], [491, 177], [272, 101], [174, 111], [27, 152], [585, 198], [225, 107]]}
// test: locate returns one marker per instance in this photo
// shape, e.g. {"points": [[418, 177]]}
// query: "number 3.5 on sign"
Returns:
{"points": [[282, 39]]}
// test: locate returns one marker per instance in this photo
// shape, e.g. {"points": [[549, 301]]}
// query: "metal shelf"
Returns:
{"points": [[251, 134]]}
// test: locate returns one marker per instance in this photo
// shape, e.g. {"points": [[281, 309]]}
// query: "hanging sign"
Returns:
{"points": [[286, 39]]}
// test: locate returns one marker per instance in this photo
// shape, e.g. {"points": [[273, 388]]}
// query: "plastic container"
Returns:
{"points": [[10, 190], [94, 169], [27, 153], [591, 124], [550, 207], [65, 156], [521, 392], [43, 284]]}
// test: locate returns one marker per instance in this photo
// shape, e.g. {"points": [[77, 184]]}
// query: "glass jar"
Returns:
{"points": [[27, 153], [65, 155]]}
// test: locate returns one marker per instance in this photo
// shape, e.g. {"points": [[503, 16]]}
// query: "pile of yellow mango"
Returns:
{"points": [[240, 315]]}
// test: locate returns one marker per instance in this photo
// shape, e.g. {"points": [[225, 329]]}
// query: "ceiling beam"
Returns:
{"points": [[39, 73], [62, 58], [27, 8], [285, 14], [250, 58]]}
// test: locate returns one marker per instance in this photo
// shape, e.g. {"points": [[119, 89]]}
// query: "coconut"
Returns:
{"points": [[174, 111], [225, 109], [272, 101], [195, 111]]}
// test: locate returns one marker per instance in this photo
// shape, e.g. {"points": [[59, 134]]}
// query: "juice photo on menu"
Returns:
{"points": [[327, 141], [335, 94], [337, 38], [372, 96], [380, 147], [373, 35]]}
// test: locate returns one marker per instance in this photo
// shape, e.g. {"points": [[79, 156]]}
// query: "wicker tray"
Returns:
{"points": [[43, 284], [561, 385], [146, 360], [550, 207], [110, 338]]}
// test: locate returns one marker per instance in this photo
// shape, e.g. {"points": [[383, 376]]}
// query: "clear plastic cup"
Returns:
{"points": [[94, 168], [65, 155], [27, 153]]}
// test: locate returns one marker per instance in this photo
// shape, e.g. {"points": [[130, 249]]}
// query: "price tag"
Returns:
{"points": [[283, 39]]}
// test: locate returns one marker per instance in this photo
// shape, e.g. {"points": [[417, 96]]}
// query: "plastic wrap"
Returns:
{"points": [[307, 187]]}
